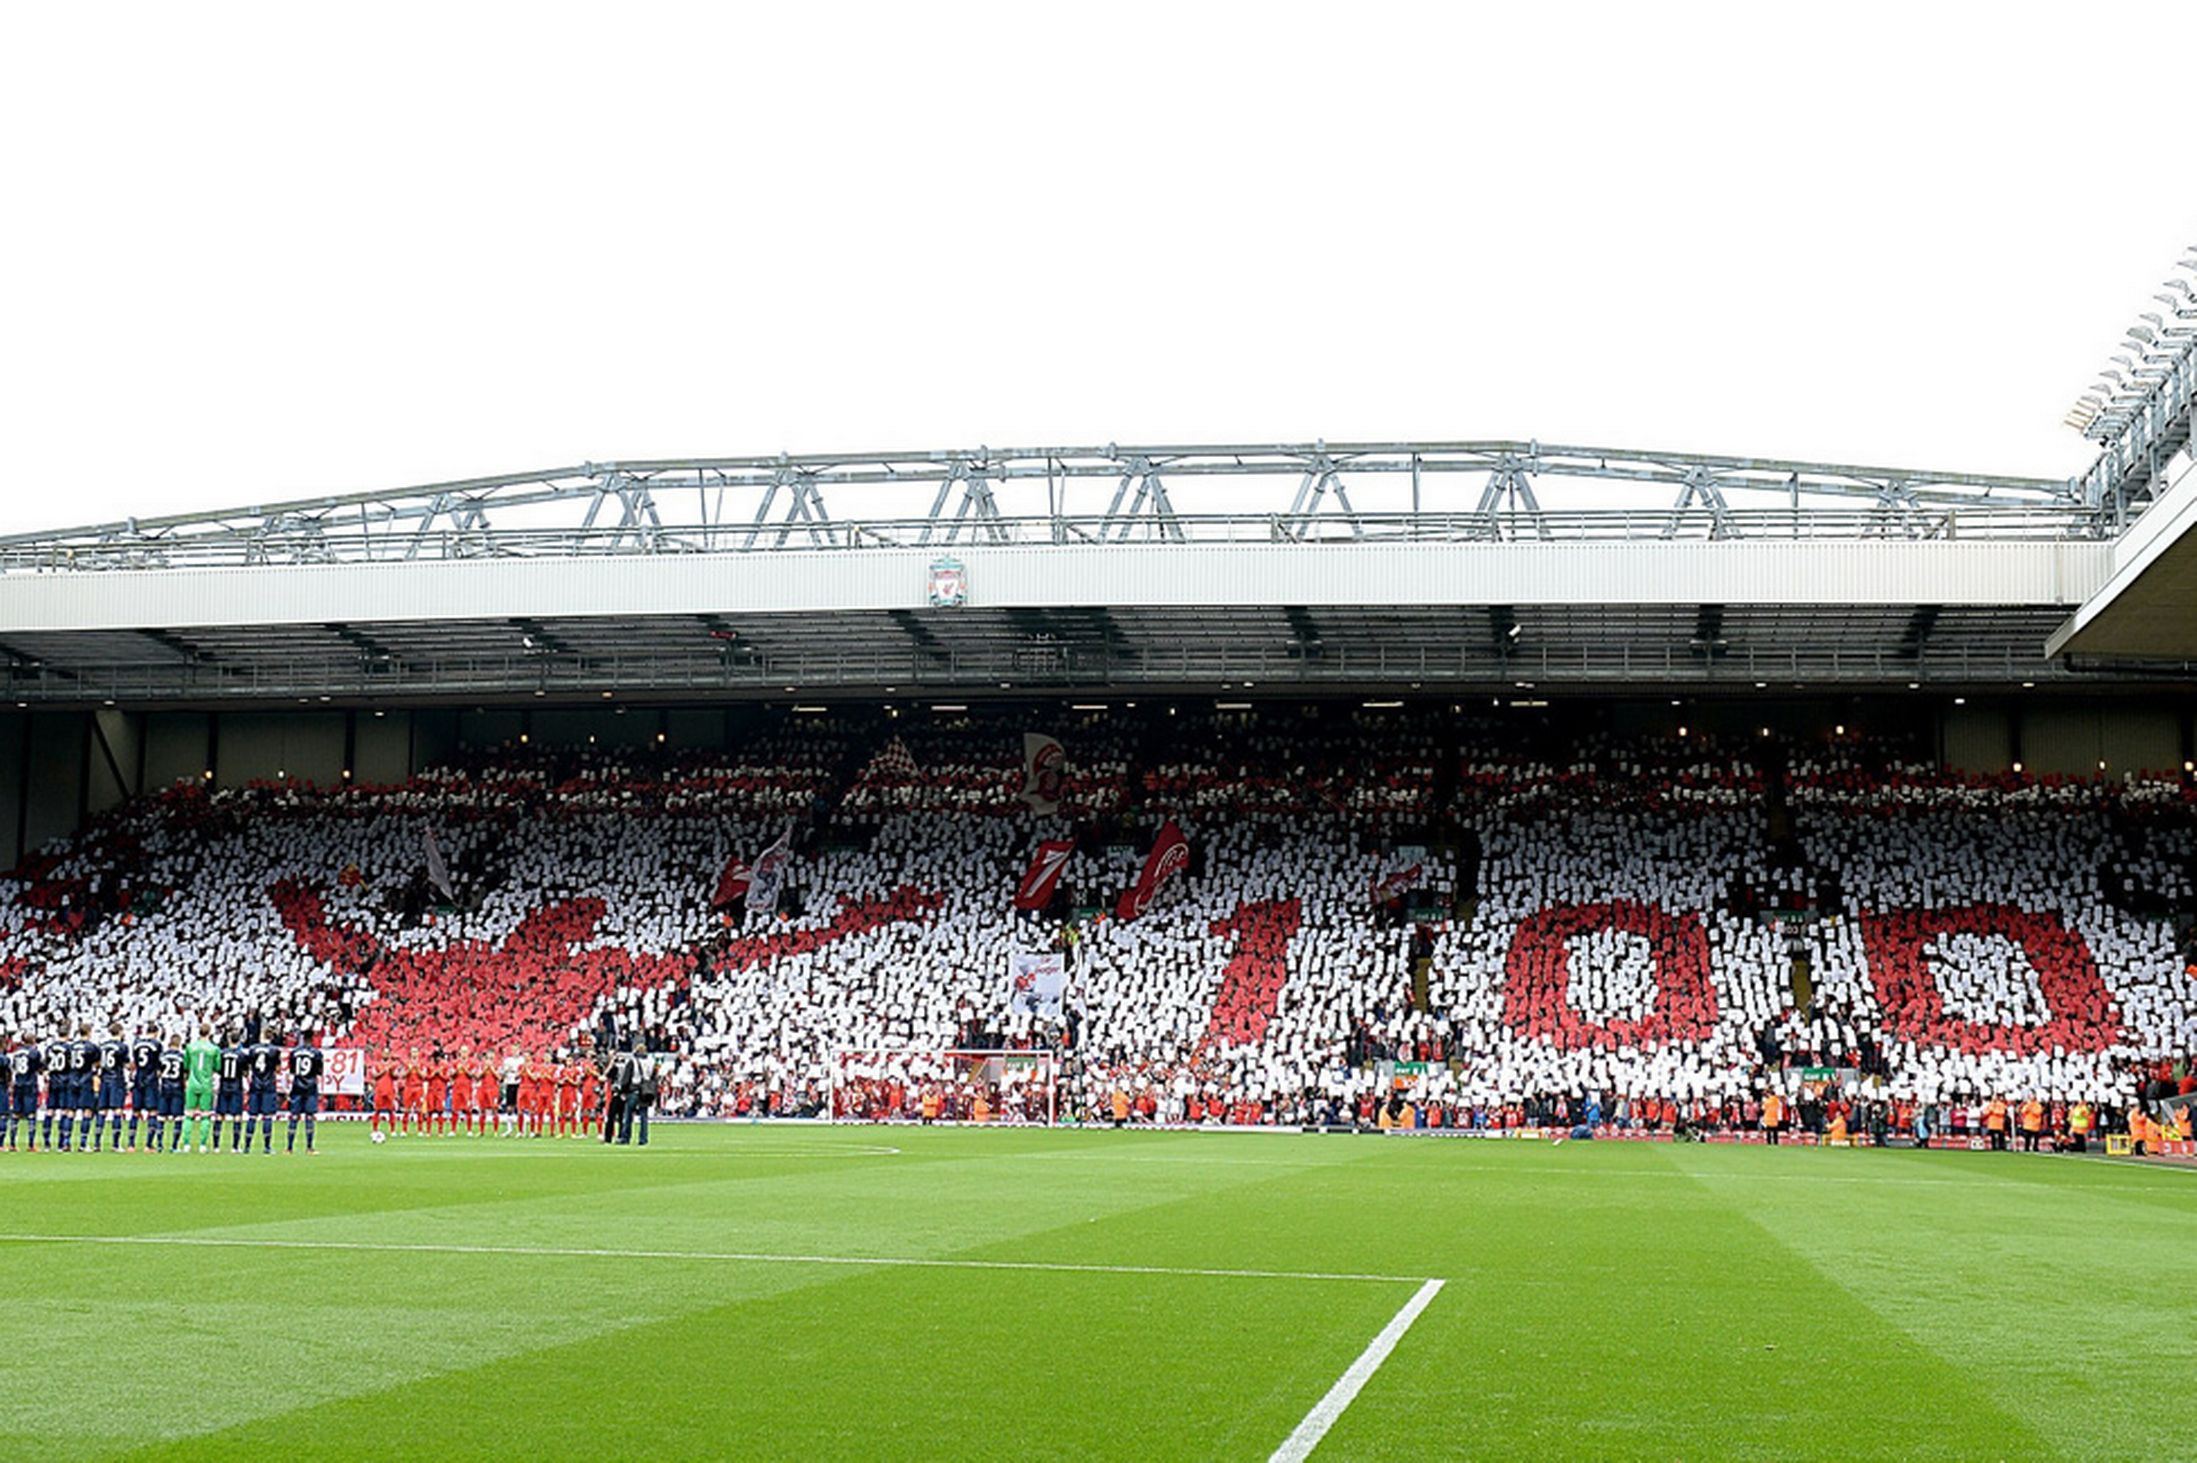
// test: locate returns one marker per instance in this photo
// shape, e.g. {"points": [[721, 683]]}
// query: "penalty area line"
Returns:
{"points": [[1299, 1444], [730, 1257]]}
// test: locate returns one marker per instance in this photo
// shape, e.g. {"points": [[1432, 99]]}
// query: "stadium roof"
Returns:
{"points": [[2140, 414], [2148, 607], [1113, 494], [1453, 565]]}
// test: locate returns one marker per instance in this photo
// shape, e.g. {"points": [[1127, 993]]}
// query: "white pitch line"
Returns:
{"points": [[863, 1150], [1299, 1444], [726, 1256]]}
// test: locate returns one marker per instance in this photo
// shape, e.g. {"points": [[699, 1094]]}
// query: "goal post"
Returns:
{"points": [[991, 1087]]}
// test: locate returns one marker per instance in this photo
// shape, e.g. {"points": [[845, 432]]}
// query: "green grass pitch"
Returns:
{"points": [[459, 1298]]}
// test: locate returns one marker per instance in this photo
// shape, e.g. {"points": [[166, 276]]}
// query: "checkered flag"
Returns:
{"points": [[893, 763]]}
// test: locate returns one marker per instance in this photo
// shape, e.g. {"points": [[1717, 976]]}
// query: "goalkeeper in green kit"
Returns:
{"points": [[201, 1060]]}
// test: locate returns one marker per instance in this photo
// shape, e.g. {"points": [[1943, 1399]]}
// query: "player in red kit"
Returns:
{"points": [[528, 1081], [485, 1093], [545, 1094], [412, 1090], [591, 1115], [438, 1093], [568, 1099], [384, 1088], [461, 1092], [477, 1103]]}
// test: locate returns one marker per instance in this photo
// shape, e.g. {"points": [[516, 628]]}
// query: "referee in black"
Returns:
{"points": [[621, 1078]]}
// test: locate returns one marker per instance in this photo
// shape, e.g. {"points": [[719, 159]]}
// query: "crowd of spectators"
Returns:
{"points": [[1604, 924]]}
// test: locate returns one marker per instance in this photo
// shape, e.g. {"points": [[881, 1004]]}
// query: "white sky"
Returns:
{"points": [[261, 253]]}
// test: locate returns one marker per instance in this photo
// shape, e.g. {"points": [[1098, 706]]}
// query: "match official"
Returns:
{"points": [[621, 1078]]}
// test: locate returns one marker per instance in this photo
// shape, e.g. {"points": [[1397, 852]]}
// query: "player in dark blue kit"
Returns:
{"points": [[168, 1072], [111, 1088], [229, 1097], [84, 1076], [25, 1061], [306, 1065], [262, 1063], [60, 1091], [144, 1082]]}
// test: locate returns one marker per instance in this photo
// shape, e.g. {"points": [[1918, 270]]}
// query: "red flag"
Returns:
{"points": [[1043, 876], [1396, 881], [1170, 855], [732, 884]]}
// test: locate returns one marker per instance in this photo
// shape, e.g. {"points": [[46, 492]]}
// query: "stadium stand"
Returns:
{"points": [[1533, 928]]}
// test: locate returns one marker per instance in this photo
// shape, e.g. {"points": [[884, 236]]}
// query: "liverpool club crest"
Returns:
{"points": [[949, 584]]}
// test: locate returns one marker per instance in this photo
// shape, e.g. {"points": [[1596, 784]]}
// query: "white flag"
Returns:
{"points": [[1044, 764], [1035, 980], [438, 872], [769, 874]]}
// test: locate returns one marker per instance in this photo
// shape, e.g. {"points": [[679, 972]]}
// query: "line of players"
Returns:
{"points": [[80, 1093], [442, 1095]]}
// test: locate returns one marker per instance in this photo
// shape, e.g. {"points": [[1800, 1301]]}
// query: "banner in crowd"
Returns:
{"points": [[438, 872], [1404, 869], [346, 1072], [1035, 982], [769, 875], [1170, 855], [1044, 764], [732, 883], [893, 763], [1043, 876]]}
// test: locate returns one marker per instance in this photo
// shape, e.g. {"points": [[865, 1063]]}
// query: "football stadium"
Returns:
{"points": [[1373, 949], [1276, 927]]}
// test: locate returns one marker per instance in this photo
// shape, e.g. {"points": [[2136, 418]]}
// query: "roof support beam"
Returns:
{"points": [[1701, 491], [1150, 511], [969, 487], [1075, 496], [1509, 494], [1319, 482]]}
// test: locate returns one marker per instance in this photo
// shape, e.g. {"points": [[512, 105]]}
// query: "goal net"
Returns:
{"points": [[911, 1086]]}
